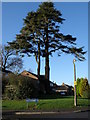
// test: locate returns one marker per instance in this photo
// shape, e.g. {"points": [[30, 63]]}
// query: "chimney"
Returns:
{"points": [[63, 84]]}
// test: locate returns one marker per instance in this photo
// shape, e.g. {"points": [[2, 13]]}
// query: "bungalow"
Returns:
{"points": [[40, 80], [64, 89]]}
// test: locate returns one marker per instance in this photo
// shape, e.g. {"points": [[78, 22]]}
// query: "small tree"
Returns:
{"points": [[83, 87]]}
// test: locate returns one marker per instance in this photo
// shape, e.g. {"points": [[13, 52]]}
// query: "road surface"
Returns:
{"points": [[47, 116]]}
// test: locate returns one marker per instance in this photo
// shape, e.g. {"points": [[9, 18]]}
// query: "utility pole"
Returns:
{"points": [[75, 95]]}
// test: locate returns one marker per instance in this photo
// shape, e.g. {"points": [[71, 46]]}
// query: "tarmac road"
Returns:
{"points": [[47, 116]]}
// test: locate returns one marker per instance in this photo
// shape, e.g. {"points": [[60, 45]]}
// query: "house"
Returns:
{"points": [[41, 80], [32, 77], [63, 89], [35, 80]]}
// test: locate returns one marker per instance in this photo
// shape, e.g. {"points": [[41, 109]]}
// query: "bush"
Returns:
{"points": [[83, 88], [27, 88], [20, 87]]}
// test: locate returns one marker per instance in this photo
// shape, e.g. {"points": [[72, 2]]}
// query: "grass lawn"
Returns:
{"points": [[45, 104]]}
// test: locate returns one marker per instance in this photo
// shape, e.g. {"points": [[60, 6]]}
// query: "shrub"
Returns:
{"points": [[20, 87], [28, 86], [83, 88]]}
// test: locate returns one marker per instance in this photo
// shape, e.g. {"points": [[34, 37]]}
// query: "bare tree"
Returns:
{"points": [[10, 60]]}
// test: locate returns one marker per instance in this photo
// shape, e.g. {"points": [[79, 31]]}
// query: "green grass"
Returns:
{"points": [[45, 104]]}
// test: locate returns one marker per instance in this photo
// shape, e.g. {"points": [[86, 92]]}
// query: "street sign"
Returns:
{"points": [[31, 100]]}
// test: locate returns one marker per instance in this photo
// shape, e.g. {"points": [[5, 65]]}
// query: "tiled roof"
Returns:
{"points": [[29, 74]]}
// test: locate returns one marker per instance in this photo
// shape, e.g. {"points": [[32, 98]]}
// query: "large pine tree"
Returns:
{"points": [[41, 36]]}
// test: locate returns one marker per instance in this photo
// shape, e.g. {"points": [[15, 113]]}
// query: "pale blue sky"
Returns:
{"points": [[76, 24]]}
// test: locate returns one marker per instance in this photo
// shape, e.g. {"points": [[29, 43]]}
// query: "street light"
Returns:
{"points": [[75, 95]]}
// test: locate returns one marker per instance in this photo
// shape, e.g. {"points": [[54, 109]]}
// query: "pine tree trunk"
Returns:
{"points": [[47, 65], [47, 74]]}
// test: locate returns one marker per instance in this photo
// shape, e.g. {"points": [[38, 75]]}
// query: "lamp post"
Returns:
{"points": [[75, 95]]}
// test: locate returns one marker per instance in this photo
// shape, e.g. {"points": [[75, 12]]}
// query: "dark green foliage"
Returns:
{"points": [[49, 24], [44, 26], [28, 88], [83, 88], [19, 87], [77, 87]]}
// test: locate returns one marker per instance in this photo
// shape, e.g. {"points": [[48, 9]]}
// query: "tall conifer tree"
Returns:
{"points": [[42, 30]]}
